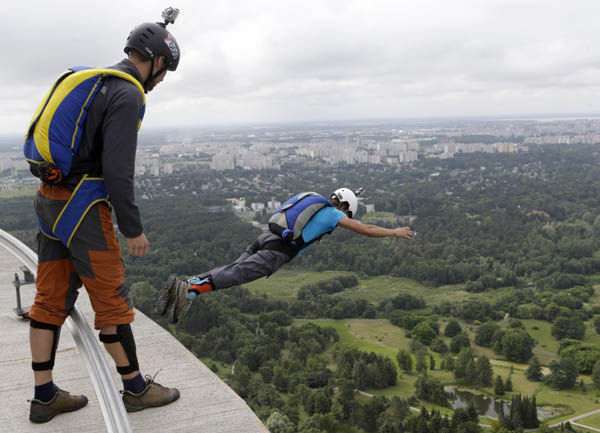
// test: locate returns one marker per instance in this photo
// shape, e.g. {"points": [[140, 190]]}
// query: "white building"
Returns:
{"points": [[257, 207], [273, 204]]}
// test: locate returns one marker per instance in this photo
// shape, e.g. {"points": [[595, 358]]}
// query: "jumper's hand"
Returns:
{"points": [[138, 246], [403, 232]]}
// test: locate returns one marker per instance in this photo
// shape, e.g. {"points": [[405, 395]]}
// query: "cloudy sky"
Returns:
{"points": [[264, 61]]}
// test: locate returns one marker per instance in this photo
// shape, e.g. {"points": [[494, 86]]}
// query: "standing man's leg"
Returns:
{"points": [[97, 257], [56, 291]]}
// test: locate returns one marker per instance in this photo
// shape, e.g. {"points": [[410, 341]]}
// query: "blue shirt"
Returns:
{"points": [[324, 221]]}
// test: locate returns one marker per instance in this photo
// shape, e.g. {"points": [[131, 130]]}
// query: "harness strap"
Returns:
{"points": [[282, 247], [300, 244], [89, 191], [46, 231]]}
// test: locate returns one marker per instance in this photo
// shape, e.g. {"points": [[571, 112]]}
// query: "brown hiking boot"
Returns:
{"points": [[62, 402], [166, 298], [181, 301], [154, 395]]}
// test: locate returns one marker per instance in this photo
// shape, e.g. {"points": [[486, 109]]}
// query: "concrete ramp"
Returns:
{"points": [[206, 404]]}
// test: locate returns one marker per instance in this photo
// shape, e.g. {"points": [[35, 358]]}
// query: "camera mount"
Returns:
{"points": [[170, 14]]}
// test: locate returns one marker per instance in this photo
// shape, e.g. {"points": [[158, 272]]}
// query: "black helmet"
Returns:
{"points": [[153, 39]]}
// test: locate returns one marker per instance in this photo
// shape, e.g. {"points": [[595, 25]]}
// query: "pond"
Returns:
{"points": [[485, 406], [488, 406]]}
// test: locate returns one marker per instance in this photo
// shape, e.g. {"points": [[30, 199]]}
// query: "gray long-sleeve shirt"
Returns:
{"points": [[108, 146]]}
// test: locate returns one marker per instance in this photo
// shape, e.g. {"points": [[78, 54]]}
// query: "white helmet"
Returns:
{"points": [[346, 195]]}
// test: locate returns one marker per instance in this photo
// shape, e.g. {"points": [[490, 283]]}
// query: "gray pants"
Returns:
{"points": [[254, 263]]}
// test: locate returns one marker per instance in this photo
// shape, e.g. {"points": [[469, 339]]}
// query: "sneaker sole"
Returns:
{"points": [[162, 309]]}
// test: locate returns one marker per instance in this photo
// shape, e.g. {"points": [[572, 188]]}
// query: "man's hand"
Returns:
{"points": [[403, 232], [138, 246]]}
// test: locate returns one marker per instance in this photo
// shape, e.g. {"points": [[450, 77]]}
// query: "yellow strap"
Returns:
{"points": [[48, 236], [83, 179], [69, 201], [81, 219]]}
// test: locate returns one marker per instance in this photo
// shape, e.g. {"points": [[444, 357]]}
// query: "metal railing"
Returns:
{"points": [[109, 398]]}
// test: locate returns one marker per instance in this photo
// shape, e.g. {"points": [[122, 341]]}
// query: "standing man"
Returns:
{"points": [[77, 242]]}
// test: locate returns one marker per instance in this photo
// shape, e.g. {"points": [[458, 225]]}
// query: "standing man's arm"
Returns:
{"points": [[375, 231], [119, 136]]}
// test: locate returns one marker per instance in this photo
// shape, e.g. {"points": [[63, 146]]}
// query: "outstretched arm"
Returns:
{"points": [[375, 231]]}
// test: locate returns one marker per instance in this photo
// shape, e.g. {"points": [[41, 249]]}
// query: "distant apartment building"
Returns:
{"points": [[255, 161], [374, 159], [409, 156], [397, 146], [505, 147], [223, 161], [564, 139]]}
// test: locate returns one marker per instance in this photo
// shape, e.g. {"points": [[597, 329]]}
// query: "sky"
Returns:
{"points": [[270, 61]]}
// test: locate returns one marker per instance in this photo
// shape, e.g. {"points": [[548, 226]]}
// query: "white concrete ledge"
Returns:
{"points": [[206, 404]]}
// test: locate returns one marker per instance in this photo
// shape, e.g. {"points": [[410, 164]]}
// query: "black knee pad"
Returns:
{"points": [[47, 365], [124, 336]]}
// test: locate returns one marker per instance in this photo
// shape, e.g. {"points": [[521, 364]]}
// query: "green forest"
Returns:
{"points": [[499, 292]]}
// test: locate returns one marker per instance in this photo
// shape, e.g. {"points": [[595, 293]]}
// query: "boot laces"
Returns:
{"points": [[150, 379]]}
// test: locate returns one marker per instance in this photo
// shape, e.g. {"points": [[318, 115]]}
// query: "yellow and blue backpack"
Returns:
{"points": [[55, 131], [53, 139]]}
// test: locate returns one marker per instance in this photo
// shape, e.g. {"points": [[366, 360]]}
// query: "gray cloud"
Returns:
{"points": [[270, 60]]}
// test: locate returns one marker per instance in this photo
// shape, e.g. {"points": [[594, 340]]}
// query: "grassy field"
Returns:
{"points": [[383, 338], [578, 402], [547, 346], [380, 288], [591, 421], [585, 430], [285, 283]]}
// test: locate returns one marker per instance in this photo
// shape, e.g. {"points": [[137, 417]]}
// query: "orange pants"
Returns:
{"points": [[93, 258]]}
